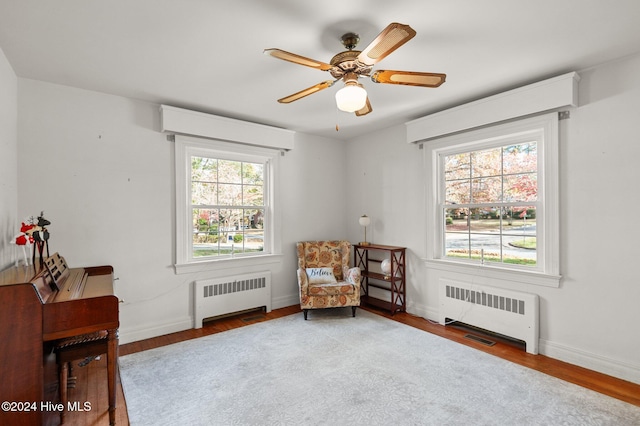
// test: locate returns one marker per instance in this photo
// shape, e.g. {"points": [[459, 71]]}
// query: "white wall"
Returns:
{"points": [[386, 182], [103, 174], [9, 225], [590, 320]]}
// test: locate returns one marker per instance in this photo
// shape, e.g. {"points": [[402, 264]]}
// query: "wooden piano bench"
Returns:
{"points": [[85, 347]]}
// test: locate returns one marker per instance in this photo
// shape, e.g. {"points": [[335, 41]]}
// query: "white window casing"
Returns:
{"points": [[187, 147], [544, 130]]}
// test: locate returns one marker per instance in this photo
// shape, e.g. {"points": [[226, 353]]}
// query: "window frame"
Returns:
{"points": [[187, 147], [545, 130]]}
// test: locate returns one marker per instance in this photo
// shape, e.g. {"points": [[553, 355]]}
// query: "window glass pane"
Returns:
{"points": [[204, 169], [456, 245], [229, 194], [520, 158], [520, 235], [521, 221], [257, 221], [203, 178], [457, 166], [456, 220], [205, 220], [242, 231], [205, 232], [252, 195], [488, 248], [253, 174], [229, 171], [475, 214], [485, 239], [253, 218], [486, 163], [484, 219], [230, 221], [487, 190], [476, 244], [255, 240], [521, 187], [457, 192], [457, 232], [203, 193], [253, 230]]}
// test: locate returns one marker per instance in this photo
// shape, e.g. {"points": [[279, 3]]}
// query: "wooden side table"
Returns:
{"points": [[369, 259]]}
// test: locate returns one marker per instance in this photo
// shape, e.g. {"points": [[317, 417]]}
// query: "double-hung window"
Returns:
{"points": [[490, 203], [224, 198], [494, 201]]}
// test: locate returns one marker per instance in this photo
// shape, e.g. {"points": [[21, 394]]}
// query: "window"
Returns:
{"points": [[490, 204], [227, 206], [224, 201], [494, 201]]}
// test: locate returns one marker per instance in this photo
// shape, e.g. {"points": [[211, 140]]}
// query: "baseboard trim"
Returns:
{"points": [[128, 335], [285, 301], [422, 311], [134, 334], [595, 362]]}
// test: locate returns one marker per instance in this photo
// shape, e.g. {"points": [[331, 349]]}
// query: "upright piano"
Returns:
{"points": [[40, 306]]}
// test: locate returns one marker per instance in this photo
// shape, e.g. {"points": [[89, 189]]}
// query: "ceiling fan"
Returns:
{"points": [[352, 64]]}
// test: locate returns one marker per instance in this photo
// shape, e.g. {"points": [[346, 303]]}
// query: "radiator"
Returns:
{"points": [[221, 296], [510, 313]]}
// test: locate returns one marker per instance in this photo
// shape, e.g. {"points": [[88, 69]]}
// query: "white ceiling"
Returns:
{"points": [[206, 55]]}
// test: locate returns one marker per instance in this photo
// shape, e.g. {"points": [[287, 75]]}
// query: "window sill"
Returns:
{"points": [[494, 273], [228, 263]]}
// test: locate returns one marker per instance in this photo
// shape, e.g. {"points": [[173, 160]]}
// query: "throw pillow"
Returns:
{"points": [[320, 275]]}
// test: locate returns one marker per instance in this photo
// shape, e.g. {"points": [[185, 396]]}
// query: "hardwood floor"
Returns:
{"points": [[92, 379], [91, 387]]}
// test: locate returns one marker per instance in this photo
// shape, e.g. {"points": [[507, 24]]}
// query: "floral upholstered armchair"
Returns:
{"points": [[324, 277]]}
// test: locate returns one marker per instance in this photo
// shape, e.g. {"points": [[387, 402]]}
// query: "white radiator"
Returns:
{"points": [[221, 296], [510, 313]]}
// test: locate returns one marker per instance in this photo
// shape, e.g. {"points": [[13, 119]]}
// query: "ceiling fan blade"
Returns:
{"points": [[391, 38], [306, 92], [409, 78], [297, 59], [365, 110]]}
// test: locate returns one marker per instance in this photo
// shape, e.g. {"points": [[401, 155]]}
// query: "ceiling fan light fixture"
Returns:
{"points": [[351, 64], [352, 97]]}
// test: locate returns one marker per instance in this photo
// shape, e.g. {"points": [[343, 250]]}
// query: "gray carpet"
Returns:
{"points": [[337, 370]]}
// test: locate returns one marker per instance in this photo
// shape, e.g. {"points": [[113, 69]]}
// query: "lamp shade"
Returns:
{"points": [[364, 220], [352, 97]]}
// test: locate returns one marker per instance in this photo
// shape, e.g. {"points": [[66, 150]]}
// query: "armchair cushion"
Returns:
{"points": [[331, 289]]}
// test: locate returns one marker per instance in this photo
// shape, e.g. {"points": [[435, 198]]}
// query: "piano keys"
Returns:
{"points": [[39, 306]]}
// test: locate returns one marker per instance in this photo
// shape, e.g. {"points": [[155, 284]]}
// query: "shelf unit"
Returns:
{"points": [[365, 256]]}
